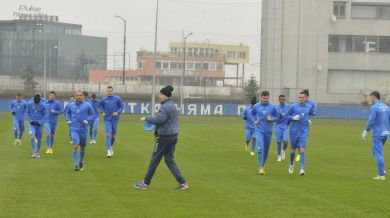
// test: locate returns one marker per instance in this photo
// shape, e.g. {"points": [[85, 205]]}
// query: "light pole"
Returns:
{"points": [[208, 72], [50, 62], [184, 68], [124, 47]]}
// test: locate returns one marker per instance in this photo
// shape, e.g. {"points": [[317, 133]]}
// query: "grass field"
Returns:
{"points": [[223, 178]]}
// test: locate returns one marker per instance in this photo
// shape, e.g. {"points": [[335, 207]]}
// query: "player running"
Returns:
{"points": [[249, 126], [94, 124], [281, 127], [18, 109], [54, 109]]}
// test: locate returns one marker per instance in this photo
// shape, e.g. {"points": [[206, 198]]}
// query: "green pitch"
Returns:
{"points": [[223, 179]]}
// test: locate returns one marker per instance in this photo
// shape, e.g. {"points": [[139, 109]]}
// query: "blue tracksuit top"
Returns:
{"points": [[66, 108], [379, 119], [32, 99], [77, 113], [109, 105], [166, 120], [19, 107], [313, 106], [283, 119], [249, 122], [55, 105], [95, 106], [299, 126], [37, 113], [260, 112]]}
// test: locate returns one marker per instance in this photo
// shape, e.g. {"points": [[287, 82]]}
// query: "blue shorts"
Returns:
{"points": [[36, 131], [111, 127], [79, 138], [298, 140], [94, 123], [19, 125], [281, 135], [249, 134], [263, 141], [51, 128]]}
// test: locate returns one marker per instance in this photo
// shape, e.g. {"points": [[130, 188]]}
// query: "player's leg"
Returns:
{"points": [[21, 130], [76, 142], [32, 133], [285, 142], [113, 134], [170, 162], [48, 137], [83, 145], [70, 134], [377, 151], [267, 144], [253, 142], [294, 141], [302, 147], [108, 129], [247, 139], [39, 138], [158, 153], [95, 128], [278, 134], [16, 128], [260, 151], [90, 130], [53, 127]]}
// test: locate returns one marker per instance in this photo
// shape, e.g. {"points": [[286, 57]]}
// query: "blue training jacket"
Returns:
{"points": [[19, 107], [313, 106], [95, 106], [379, 119], [299, 126], [260, 112], [109, 105], [249, 123], [55, 105], [77, 113], [167, 119], [37, 113], [283, 119], [66, 108]]}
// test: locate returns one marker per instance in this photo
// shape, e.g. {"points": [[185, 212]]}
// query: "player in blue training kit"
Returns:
{"points": [[93, 126], [77, 116], [265, 114], [111, 106], [299, 116], [42, 99], [36, 114], [379, 123], [281, 127], [71, 99], [54, 109], [90, 122], [249, 126], [18, 109]]}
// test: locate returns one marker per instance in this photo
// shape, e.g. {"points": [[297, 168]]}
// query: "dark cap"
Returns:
{"points": [[37, 98], [167, 91], [253, 101]]}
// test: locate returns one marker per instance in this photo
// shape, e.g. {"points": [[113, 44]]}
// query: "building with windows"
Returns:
{"points": [[69, 54], [204, 65], [336, 49]]}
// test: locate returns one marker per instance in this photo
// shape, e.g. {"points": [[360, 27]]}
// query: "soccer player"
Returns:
{"points": [[249, 126], [90, 122], [18, 109], [379, 123], [54, 108], [167, 129], [265, 114], [111, 106], [299, 116], [36, 114], [281, 127], [71, 99], [93, 126], [77, 116]]}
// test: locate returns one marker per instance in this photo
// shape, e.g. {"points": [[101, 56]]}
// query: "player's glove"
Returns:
{"points": [[364, 135], [32, 122], [13, 112], [280, 116], [309, 122], [38, 123], [288, 122], [296, 117], [245, 118]]}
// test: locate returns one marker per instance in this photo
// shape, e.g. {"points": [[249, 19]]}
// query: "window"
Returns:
{"points": [[192, 52], [198, 65], [106, 78], [384, 44], [146, 78], [158, 64], [368, 44], [340, 43], [205, 66], [190, 65], [173, 65], [217, 66], [370, 11], [131, 78], [165, 65], [212, 66], [339, 9], [175, 50], [142, 65], [242, 55], [180, 65], [231, 54]]}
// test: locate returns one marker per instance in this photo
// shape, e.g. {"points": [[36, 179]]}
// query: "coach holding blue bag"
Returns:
{"points": [[167, 128]]}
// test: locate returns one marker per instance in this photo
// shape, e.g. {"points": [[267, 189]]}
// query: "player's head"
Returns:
{"points": [[93, 97], [37, 99], [265, 97], [282, 99], [165, 93], [85, 95], [52, 95], [375, 96], [71, 98], [253, 101], [19, 96], [39, 93], [110, 90], [302, 97], [79, 95], [306, 91]]}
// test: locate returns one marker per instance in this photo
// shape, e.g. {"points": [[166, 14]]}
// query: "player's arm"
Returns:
{"points": [[91, 113], [11, 107], [290, 112], [244, 115], [371, 120], [29, 118], [314, 110], [161, 117], [102, 107], [59, 109], [68, 113], [275, 115], [120, 106], [45, 114]]}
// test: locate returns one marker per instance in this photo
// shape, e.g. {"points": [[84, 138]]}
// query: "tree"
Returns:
{"points": [[251, 88], [29, 83]]}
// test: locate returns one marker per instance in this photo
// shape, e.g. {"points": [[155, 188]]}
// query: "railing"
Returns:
{"points": [[188, 55]]}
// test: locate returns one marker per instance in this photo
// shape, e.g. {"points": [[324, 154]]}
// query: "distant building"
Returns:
{"points": [[69, 54], [205, 64]]}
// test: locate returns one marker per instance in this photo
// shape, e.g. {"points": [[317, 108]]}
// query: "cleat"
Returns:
{"points": [[298, 157], [71, 142], [90, 142], [94, 141], [20, 142], [48, 151], [279, 158], [112, 152], [33, 155], [302, 172], [291, 169], [379, 178], [37, 155], [16, 142], [262, 171], [81, 166], [142, 185], [51, 150], [283, 154], [76, 168], [181, 186], [36, 141], [246, 147], [252, 153], [108, 153]]}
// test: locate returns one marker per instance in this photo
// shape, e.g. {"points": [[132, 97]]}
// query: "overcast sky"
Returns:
{"points": [[222, 21]]}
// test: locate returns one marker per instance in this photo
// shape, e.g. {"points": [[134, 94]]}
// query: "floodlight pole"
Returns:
{"points": [[44, 68], [154, 65], [184, 68], [124, 47]]}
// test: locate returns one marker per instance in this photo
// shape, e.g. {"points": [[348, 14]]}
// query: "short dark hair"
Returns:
{"points": [[376, 94], [78, 91], [281, 96], [18, 94], [71, 96], [85, 93], [93, 96], [306, 92], [303, 93], [52, 92], [110, 87], [265, 93]]}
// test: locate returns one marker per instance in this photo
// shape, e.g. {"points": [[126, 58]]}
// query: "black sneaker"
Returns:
{"points": [[76, 168], [80, 166]]}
